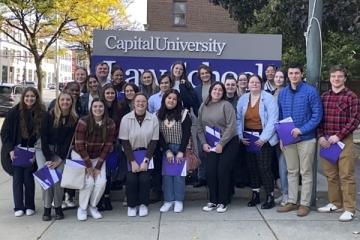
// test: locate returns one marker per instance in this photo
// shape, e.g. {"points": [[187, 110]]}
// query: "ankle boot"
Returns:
{"points": [[270, 203], [59, 213], [107, 204], [47, 214], [255, 199]]}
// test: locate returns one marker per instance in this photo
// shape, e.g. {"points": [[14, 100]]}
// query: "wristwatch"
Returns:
{"points": [[146, 161]]}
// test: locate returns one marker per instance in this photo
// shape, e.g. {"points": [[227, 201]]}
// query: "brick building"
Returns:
{"points": [[188, 16]]}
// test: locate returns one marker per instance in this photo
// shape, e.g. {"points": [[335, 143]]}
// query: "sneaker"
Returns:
{"points": [[95, 214], [329, 208], [69, 201], [278, 200], [221, 208], [303, 211], [346, 216], [143, 210], [63, 205], [30, 212], [131, 212], [179, 207], [287, 208], [269, 202], [284, 200], [166, 206], [209, 207], [19, 213], [81, 214]]}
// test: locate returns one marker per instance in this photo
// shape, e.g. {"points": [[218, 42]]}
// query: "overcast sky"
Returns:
{"points": [[137, 10]]}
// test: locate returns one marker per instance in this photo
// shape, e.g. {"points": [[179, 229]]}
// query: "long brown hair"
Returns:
{"points": [[91, 124], [58, 113]]}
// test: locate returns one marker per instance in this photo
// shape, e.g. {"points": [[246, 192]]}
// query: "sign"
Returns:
{"points": [[157, 51]]}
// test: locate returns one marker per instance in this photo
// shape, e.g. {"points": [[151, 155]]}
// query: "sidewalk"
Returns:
{"points": [[239, 222]]}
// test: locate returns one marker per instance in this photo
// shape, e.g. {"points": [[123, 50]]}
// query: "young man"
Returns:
{"points": [[341, 118], [302, 103], [102, 72]]}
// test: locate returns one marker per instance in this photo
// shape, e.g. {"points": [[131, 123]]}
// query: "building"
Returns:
{"points": [[17, 64], [188, 16]]}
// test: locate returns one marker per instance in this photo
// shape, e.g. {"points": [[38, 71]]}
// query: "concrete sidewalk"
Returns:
{"points": [[239, 222]]}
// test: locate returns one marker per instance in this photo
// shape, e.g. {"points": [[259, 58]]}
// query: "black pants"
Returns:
{"points": [[156, 176], [137, 188], [260, 168], [218, 170], [23, 178]]}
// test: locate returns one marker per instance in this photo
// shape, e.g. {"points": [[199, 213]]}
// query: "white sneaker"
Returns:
{"points": [[30, 212], [346, 216], [131, 212], [70, 203], [179, 207], [166, 206], [284, 200], [209, 207], [81, 214], [329, 208], [63, 205], [221, 208], [143, 210], [95, 213], [19, 213]]}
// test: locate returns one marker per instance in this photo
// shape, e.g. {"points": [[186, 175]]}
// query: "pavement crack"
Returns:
{"points": [[158, 227], [43, 232], [267, 224]]}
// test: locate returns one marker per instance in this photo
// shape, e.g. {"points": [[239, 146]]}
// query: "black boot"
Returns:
{"points": [[270, 203], [47, 214], [59, 213], [100, 205], [107, 204], [255, 199]]}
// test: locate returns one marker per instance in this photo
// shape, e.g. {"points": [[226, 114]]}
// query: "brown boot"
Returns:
{"points": [[287, 208], [303, 211]]}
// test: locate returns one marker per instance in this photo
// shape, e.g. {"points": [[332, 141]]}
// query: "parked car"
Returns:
{"points": [[9, 96], [51, 86], [30, 84]]}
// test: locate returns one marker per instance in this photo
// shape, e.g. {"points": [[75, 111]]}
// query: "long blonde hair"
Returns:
{"points": [[58, 113]]}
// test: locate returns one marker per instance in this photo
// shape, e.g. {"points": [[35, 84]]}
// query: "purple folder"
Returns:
{"points": [[331, 153], [173, 169], [47, 177], [23, 157], [253, 148], [212, 136], [112, 160], [120, 96], [283, 130], [139, 156]]}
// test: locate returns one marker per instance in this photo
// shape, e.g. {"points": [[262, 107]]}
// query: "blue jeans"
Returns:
{"points": [[174, 186], [282, 172]]}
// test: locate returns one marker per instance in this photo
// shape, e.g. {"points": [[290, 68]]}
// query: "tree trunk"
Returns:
{"points": [[39, 73]]}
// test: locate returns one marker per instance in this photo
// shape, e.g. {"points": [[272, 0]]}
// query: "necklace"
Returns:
{"points": [[168, 123]]}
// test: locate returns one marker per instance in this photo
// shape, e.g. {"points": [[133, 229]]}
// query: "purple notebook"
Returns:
{"points": [[23, 157], [253, 148], [283, 130], [212, 135], [332, 153], [139, 156], [47, 177], [173, 169]]}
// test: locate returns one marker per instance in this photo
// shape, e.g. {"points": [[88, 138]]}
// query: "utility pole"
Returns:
{"points": [[313, 62]]}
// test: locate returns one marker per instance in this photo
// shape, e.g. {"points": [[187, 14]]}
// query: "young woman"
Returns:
{"points": [[269, 75], [86, 99], [94, 137], [147, 84], [217, 114], [257, 112], [180, 82], [130, 90], [242, 84], [279, 82], [175, 131], [57, 131], [81, 78], [117, 80], [155, 100], [139, 131], [231, 90], [22, 127]]}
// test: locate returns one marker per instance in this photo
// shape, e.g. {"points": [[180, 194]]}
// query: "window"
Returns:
{"points": [[179, 13], [4, 77]]}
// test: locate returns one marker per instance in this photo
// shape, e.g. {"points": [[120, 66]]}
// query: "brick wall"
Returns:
{"points": [[201, 16]]}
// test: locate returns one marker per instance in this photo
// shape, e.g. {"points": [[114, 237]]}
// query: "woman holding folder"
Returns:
{"points": [[22, 127], [217, 134], [94, 137], [257, 113], [175, 131], [139, 134], [57, 131]]}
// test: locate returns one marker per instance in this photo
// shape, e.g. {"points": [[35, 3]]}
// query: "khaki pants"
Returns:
{"points": [[299, 159], [341, 178]]}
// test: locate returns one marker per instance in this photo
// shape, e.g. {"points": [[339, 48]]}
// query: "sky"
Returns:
{"points": [[137, 10]]}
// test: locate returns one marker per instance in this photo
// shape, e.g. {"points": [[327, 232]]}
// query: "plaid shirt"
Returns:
{"points": [[92, 146], [341, 113]]}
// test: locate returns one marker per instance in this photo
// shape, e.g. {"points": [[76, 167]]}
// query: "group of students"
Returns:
{"points": [[99, 117]]}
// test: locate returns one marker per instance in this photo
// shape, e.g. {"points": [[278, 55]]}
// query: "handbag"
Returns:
{"points": [[73, 176]]}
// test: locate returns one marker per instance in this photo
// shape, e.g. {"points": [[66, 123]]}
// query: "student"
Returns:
{"points": [[242, 84], [117, 80], [147, 84], [155, 100], [93, 86], [217, 113], [81, 78], [300, 101], [139, 131], [102, 73], [341, 118], [57, 131], [94, 136], [22, 127], [175, 131]]}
